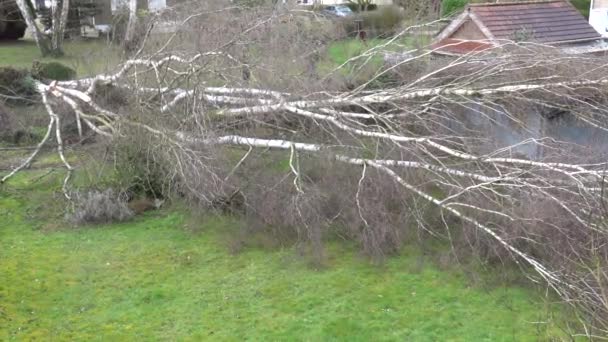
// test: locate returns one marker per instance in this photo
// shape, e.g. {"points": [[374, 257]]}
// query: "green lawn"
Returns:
{"points": [[341, 51], [357, 63], [583, 6], [166, 276], [87, 57], [169, 276]]}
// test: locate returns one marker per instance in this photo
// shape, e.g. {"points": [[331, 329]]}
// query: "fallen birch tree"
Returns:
{"points": [[545, 212]]}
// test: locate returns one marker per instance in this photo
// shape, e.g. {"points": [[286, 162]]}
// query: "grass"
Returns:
{"points": [[360, 70], [341, 51], [583, 6], [87, 57], [166, 276]]}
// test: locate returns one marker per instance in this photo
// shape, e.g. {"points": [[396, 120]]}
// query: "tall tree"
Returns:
{"points": [[39, 38], [52, 45], [421, 9], [362, 4], [60, 9], [129, 34]]}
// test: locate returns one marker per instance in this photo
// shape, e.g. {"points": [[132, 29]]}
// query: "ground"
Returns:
{"points": [[341, 51], [87, 57], [168, 276]]}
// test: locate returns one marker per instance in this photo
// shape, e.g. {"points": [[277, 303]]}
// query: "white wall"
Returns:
{"points": [[598, 16], [153, 5]]}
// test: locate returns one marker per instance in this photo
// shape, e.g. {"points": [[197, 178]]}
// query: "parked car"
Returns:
{"points": [[338, 11]]}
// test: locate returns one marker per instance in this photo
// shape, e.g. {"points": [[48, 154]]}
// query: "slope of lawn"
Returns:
{"points": [[87, 57], [342, 50], [360, 61], [583, 6], [168, 276]]}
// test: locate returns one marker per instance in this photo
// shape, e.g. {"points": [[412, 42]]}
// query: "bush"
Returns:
{"points": [[119, 25], [120, 21], [111, 97], [16, 85], [381, 23], [451, 6], [6, 124], [251, 3], [52, 71], [96, 207], [355, 7], [143, 171], [276, 214], [8, 129]]}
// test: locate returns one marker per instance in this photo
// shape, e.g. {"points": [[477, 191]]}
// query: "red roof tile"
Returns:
{"points": [[541, 21], [457, 46]]}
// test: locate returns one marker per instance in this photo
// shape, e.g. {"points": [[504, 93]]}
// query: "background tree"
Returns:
{"points": [[49, 45], [363, 5], [59, 10], [420, 8], [130, 32]]}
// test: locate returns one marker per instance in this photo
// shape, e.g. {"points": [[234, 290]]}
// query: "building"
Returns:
{"points": [[104, 14], [550, 22], [151, 5], [598, 16]]}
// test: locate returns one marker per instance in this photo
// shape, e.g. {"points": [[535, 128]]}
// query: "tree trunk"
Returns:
{"points": [[39, 38], [60, 18], [129, 34]]}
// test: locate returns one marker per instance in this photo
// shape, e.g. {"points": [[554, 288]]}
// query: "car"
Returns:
{"points": [[338, 11]]}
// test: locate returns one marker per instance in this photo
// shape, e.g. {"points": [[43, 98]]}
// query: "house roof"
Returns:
{"points": [[545, 22], [461, 47], [540, 21]]}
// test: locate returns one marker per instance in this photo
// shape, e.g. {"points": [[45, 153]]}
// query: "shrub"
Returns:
{"points": [[52, 71], [326, 207], [16, 86], [142, 171], [119, 25], [451, 6], [120, 21], [251, 3], [95, 207], [111, 97], [355, 7], [381, 23], [9, 131], [6, 124]]}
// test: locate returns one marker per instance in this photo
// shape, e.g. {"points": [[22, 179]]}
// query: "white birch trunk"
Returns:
{"points": [[29, 20], [60, 18], [132, 20]]}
